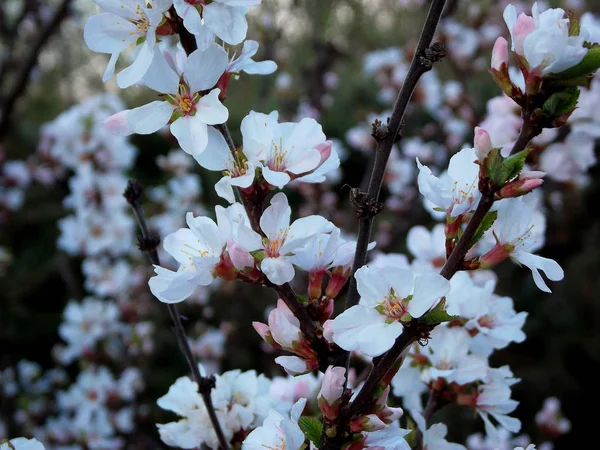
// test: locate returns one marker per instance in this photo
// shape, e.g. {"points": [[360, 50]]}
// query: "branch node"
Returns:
{"points": [[380, 131], [365, 206], [133, 192], [432, 54], [149, 243], [206, 384]]}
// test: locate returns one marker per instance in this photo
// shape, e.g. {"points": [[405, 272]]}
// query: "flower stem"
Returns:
{"points": [[148, 244]]}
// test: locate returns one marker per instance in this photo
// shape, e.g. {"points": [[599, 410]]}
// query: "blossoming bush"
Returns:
{"points": [[279, 224]]}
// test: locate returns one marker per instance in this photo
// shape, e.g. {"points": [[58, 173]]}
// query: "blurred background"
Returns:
{"points": [[341, 62]]}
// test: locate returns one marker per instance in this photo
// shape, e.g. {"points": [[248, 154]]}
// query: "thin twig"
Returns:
{"points": [[148, 244], [22, 77], [419, 65]]}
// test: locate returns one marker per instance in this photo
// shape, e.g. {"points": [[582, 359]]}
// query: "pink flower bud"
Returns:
{"points": [[332, 386], [369, 422], [338, 280], [239, 257], [523, 27], [520, 187], [500, 55], [284, 326], [264, 332], [483, 144]]}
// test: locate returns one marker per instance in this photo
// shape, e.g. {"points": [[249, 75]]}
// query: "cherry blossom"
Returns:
{"points": [[186, 106], [388, 297], [121, 24]]}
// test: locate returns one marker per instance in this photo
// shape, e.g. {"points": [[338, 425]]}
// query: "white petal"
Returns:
{"points": [[274, 178], [277, 270], [134, 73], [191, 133], [228, 23], [108, 33], [429, 288], [217, 152], [536, 263], [149, 118], [224, 189], [160, 76], [210, 109], [204, 68]]}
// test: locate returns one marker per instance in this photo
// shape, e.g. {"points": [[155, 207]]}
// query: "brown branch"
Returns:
{"points": [[19, 84], [148, 244]]}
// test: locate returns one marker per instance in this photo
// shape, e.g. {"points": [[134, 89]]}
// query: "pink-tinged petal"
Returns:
{"points": [[303, 162], [110, 67], [228, 23], [224, 189], [191, 133], [160, 76], [108, 33], [117, 124], [204, 68], [536, 263], [169, 286], [499, 56], [276, 217], [210, 109], [134, 73], [217, 152], [429, 288], [277, 270], [274, 178], [149, 118]]}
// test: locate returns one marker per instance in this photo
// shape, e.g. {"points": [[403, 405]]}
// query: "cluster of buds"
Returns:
{"points": [[554, 57], [283, 333]]}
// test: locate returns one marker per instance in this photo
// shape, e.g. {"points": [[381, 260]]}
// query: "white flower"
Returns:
{"points": [[456, 191], [514, 231], [21, 444], [543, 40], [121, 24], [278, 432], [245, 63], [224, 18], [198, 250], [282, 239], [448, 354], [434, 437], [188, 111], [429, 246], [388, 296], [285, 151]]}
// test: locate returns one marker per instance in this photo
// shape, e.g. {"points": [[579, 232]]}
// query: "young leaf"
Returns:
{"points": [[515, 163], [437, 315], [485, 225], [312, 428], [496, 170], [561, 102]]}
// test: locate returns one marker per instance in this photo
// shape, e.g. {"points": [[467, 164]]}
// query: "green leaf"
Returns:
{"points": [[496, 170], [514, 163], [561, 102], [437, 315], [312, 428], [589, 64], [485, 225]]}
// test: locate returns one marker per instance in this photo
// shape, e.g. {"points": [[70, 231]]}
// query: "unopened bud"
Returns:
{"points": [[483, 143], [500, 55], [520, 187], [265, 333], [331, 391]]}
